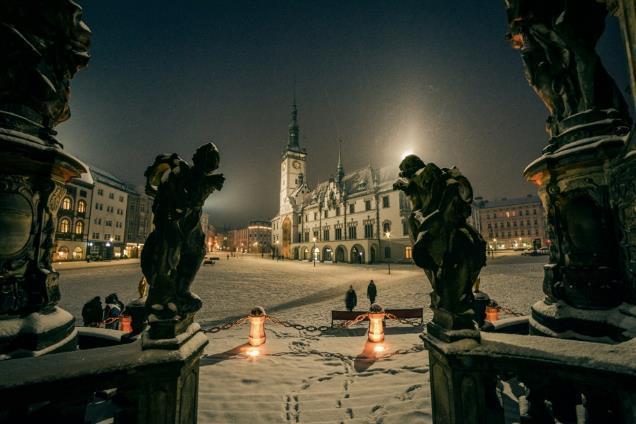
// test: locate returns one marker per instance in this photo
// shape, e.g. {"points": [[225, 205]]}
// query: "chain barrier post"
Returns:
{"points": [[376, 323], [257, 326]]}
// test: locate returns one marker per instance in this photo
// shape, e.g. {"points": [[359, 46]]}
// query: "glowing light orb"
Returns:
{"points": [[406, 153], [378, 348], [254, 352]]}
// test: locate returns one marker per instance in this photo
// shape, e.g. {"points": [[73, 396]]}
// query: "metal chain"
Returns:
{"points": [[226, 326], [299, 327], [403, 320], [356, 320]]}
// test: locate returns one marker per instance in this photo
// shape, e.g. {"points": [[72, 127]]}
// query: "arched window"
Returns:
{"points": [[386, 227], [81, 206], [79, 227], [65, 226], [62, 253], [66, 203]]}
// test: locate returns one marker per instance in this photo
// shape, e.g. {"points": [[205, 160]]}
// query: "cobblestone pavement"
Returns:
{"points": [[298, 291]]}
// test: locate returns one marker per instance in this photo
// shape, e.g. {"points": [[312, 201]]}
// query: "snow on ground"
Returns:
{"points": [[301, 376]]}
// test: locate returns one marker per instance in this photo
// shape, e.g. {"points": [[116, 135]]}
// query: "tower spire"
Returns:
{"points": [[294, 137], [340, 172]]}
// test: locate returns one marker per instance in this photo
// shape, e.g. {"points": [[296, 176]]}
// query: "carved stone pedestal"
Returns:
{"points": [[585, 269], [461, 393], [32, 177], [168, 394]]}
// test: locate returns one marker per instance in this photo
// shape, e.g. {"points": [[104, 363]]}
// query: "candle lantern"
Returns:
{"points": [[257, 326], [376, 323], [492, 314]]}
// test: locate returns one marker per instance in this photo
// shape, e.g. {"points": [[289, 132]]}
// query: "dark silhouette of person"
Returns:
{"points": [[372, 292], [351, 300], [92, 312]]}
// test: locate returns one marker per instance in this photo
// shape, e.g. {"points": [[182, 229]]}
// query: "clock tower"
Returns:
{"points": [[293, 164]]}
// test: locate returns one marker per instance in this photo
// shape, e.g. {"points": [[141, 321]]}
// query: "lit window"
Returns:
{"points": [[79, 227], [81, 206], [66, 203], [408, 252], [65, 226]]}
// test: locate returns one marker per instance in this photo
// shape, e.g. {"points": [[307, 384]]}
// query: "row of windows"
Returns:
{"points": [[107, 237], [353, 232], [65, 226], [513, 233], [352, 208], [108, 223], [67, 205], [514, 223], [510, 213], [111, 195]]}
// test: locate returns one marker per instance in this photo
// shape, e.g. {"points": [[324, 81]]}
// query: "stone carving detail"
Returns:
{"points": [[449, 250], [557, 40], [175, 249], [45, 42]]}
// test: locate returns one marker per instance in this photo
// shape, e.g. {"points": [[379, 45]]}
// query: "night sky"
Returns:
{"points": [[433, 77]]}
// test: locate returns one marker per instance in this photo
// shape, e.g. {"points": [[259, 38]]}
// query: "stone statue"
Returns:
{"points": [[174, 250], [557, 40], [449, 250], [44, 43]]}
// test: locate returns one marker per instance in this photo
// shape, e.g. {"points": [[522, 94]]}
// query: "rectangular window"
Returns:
{"points": [[315, 216], [95, 235], [307, 236], [325, 235], [106, 236], [353, 230], [367, 205], [385, 201], [82, 193], [326, 214], [408, 252], [368, 230], [111, 195], [121, 198], [337, 211], [405, 228], [387, 252], [100, 192], [338, 233], [352, 208]]}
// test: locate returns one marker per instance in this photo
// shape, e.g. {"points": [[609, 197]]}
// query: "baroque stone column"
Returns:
{"points": [[44, 43], [584, 283]]}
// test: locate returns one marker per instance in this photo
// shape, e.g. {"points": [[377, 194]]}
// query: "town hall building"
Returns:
{"points": [[355, 217]]}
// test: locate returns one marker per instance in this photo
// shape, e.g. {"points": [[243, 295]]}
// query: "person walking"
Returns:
{"points": [[372, 292], [351, 299], [92, 312]]}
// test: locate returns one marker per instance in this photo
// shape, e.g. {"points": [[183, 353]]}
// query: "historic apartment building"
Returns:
{"points": [[73, 217], [259, 236], [107, 227], [354, 218], [511, 223], [138, 222]]}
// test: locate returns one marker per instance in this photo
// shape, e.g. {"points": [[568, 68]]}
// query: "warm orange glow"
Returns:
{"points": [[253, 352], [492, 314], [257, 326], [376, 327], [378, 348], [125, 324]]}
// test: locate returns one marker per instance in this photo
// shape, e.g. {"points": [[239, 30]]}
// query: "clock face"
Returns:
{"points": [[296, 164]]}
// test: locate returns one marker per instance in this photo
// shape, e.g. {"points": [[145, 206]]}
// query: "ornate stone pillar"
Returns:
{"points": [[584, 282], [44, 44]]}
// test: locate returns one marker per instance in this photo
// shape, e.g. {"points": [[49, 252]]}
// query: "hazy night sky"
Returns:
{"points": [[434, 77]]}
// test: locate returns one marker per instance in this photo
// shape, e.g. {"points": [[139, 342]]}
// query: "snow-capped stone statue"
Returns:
{"points": [[175, 248], [449, 250]]}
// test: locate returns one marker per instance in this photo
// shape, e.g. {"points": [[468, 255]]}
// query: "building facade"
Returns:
{"points": [[259, 237], [107, 226], [354, 218], [237, 240], [138, 222], [73, 218], [511, 223]]}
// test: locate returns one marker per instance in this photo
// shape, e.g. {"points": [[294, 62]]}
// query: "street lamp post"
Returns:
{"points": [[314, 252], [388, 262]]}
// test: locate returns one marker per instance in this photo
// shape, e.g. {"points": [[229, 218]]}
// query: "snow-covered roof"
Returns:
{"points": [[108, 178], [507, 202]]}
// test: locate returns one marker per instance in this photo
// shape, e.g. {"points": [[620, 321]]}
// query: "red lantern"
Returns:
{"points": [[125, 324], [492, 314], [257, 326]]}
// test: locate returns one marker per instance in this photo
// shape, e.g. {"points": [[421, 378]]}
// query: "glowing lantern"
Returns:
{"points": [[376, 323], [257, 326], [492, 314], [125, 324]]}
